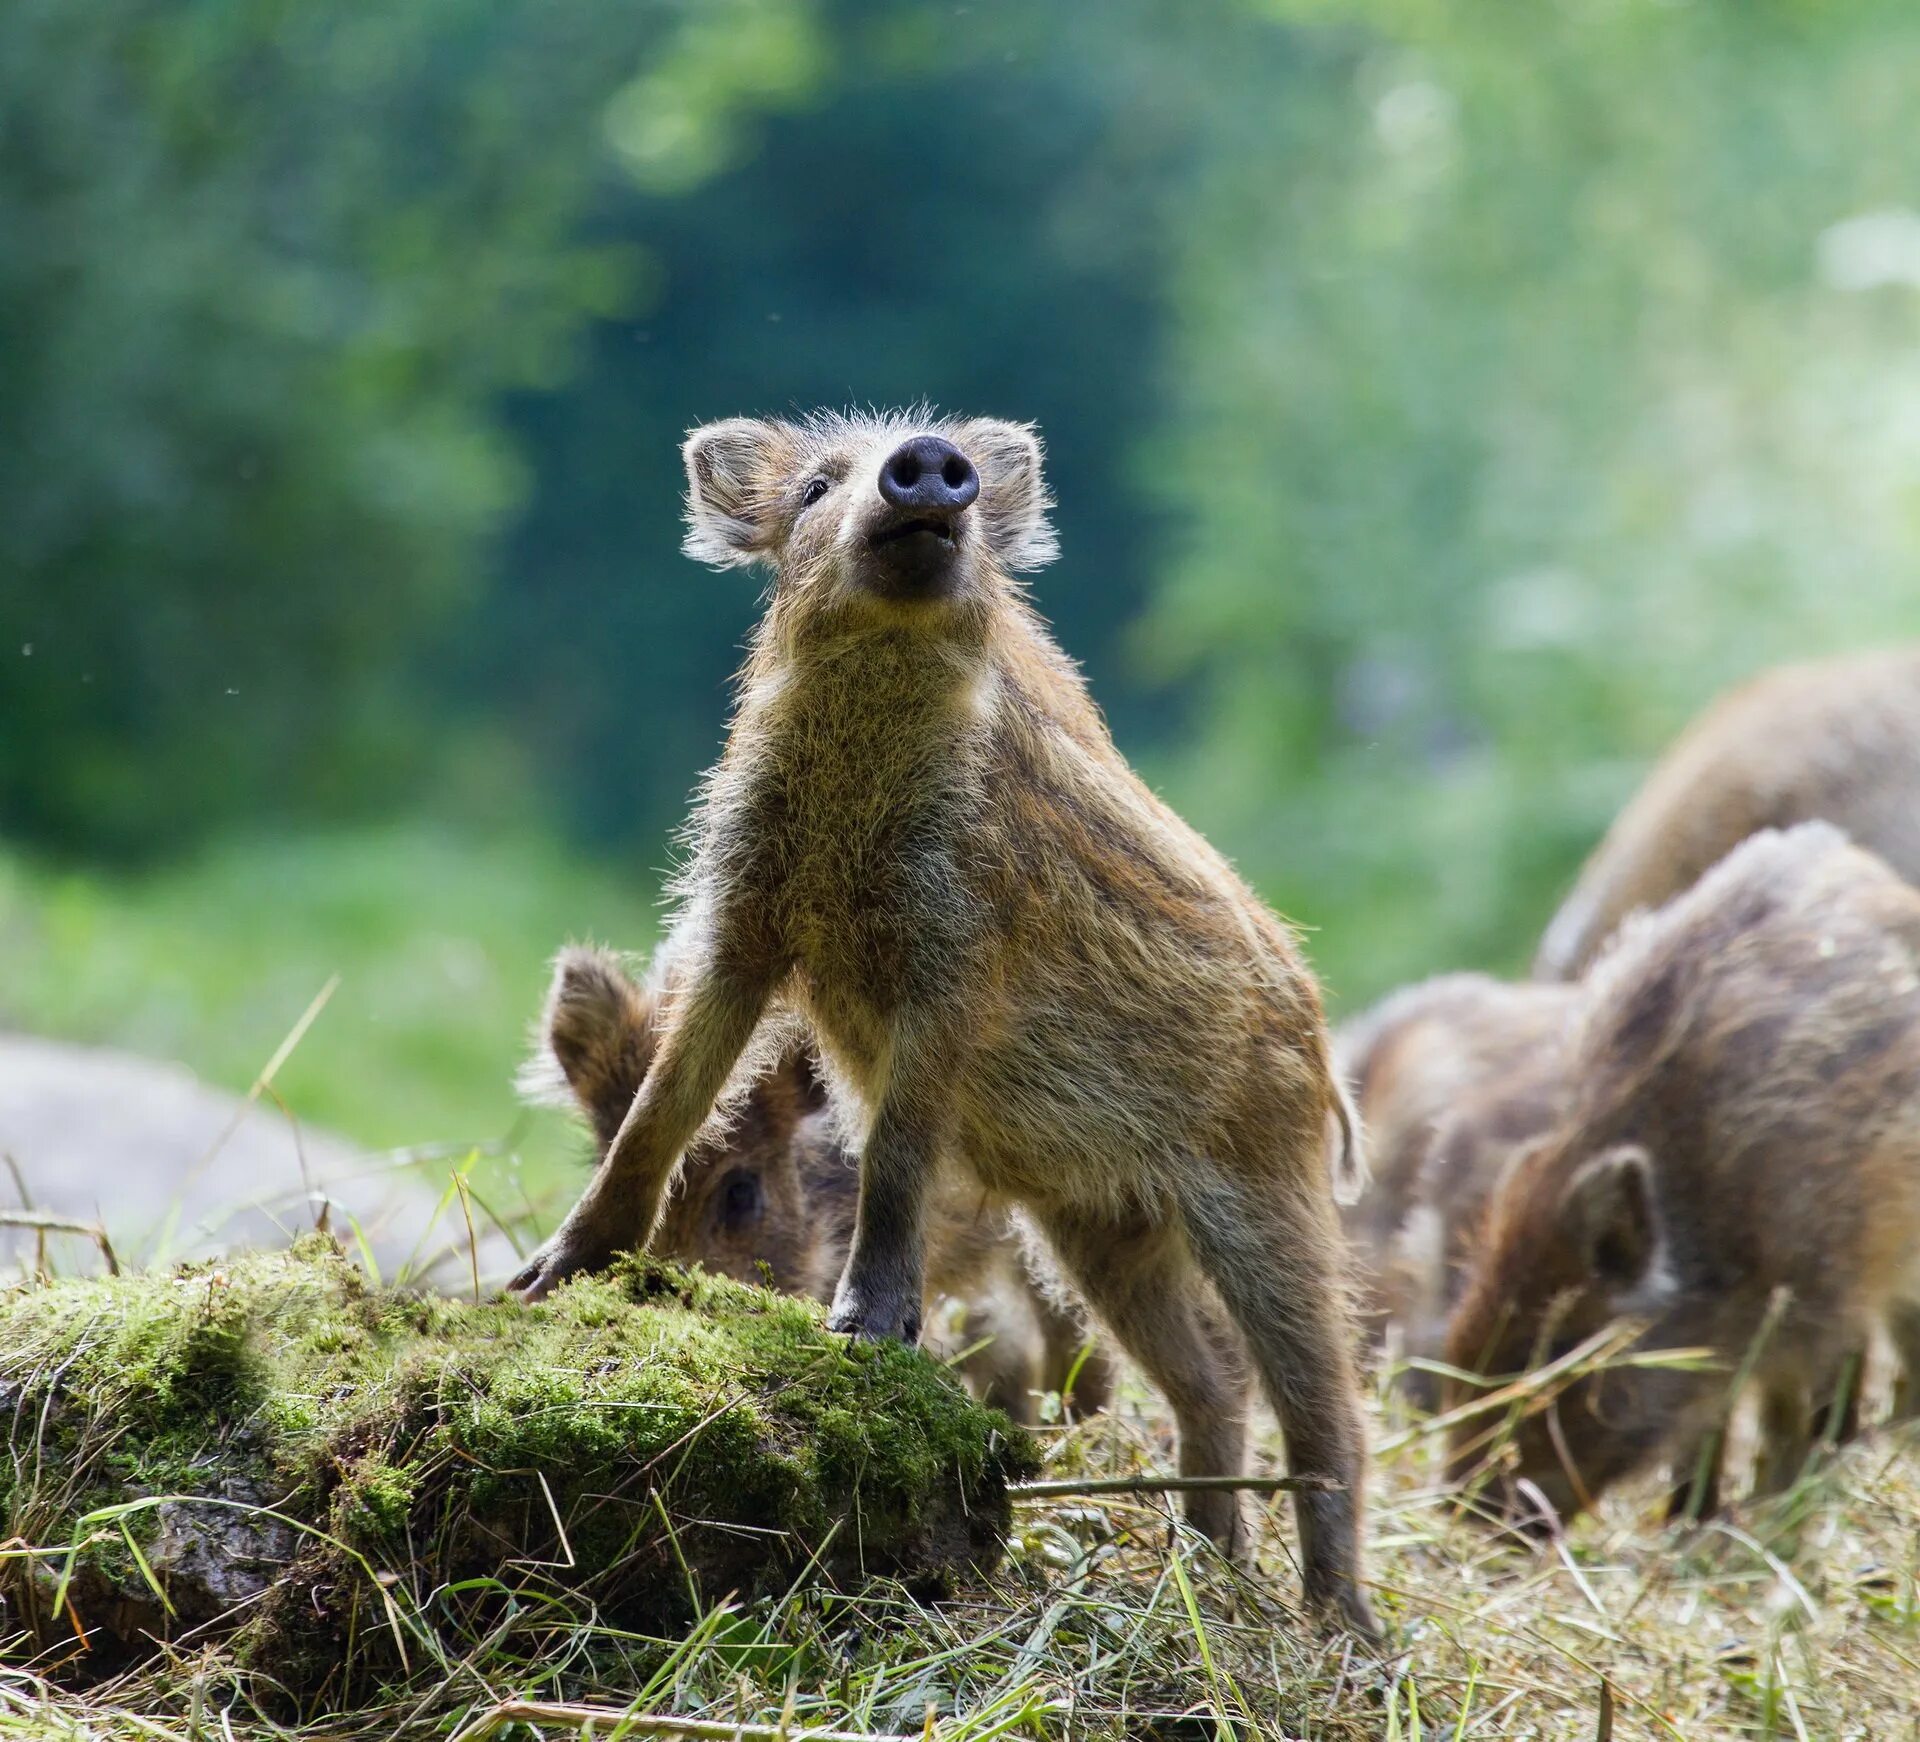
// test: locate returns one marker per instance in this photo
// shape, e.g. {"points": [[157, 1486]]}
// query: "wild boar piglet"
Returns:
{"points": [[1451, 1077], [767, 1193], [1743, 1130], [1015, 960]]}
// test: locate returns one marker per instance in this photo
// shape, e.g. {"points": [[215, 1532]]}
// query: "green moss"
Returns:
{"points": [[389, 1465]]}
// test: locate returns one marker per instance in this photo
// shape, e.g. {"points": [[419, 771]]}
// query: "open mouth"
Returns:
{"points": [[930, 524]]}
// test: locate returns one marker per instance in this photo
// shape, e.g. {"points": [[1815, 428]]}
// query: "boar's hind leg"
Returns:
{"points": [[1142, 1283], [1266, 1238]]}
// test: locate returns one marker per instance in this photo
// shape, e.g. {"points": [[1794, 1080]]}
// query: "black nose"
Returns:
{"points": [[929, 472]]}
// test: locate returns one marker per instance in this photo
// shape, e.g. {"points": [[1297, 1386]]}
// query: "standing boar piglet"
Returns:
{"points": [[1831, 740], [1744, 1125], [767, 1192], [1015, 959], [1452, 1077]]}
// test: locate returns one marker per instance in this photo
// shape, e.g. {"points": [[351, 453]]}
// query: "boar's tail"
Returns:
{"points": [[1350, 1175]]}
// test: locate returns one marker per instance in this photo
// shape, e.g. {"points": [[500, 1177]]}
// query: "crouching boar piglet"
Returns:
{"points": [[1015, 959], [767, 1193], [1743, 1130], [1452, 1077]]}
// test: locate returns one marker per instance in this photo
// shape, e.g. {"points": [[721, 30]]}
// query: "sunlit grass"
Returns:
{"points": [[1798, 1618]]}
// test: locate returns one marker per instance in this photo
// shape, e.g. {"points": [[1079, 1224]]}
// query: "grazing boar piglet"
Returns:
{"points": [[1015, 959], [1835, 740], [1743, 1129], [1451, 1077], [767, 1193]]}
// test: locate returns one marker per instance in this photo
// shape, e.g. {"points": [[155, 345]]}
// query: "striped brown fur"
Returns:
{"points": [[1743, 1124], [1452, 1077], [1831, 740], [1015, 959]]}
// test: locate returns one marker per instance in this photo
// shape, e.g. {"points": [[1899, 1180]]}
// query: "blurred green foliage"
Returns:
{"points": [[1545, 370], [1443, 401], [440, 945], [267, 271]]}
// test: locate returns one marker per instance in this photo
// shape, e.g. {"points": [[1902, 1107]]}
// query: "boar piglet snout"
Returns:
{"points": [[928, 475], [927, 484]]}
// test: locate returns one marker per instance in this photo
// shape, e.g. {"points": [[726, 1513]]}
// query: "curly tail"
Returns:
{"points": [[1350, 1173]]}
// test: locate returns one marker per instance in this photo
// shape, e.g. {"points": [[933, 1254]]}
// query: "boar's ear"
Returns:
{"points": [[1608, 1210], [786, 1089], [1013, 491], [596, 1039], [735, 471]]}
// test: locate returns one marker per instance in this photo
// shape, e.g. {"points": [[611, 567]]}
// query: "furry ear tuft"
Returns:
{"points": [[734, 473], [595, 1041], [1013, 491], [1609, 1211]]}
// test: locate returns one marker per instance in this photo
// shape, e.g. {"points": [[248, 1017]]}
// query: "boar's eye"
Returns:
{"points": [[816, 488], [739, 1199]]}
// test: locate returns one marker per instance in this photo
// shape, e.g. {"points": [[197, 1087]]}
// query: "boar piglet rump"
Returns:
{"points": [[1828, 740], [1015, 960], [1743, 1130]]}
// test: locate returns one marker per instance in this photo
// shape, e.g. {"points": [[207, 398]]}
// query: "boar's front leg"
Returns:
{"points": [[715, 1010], [1697, 1473], [1786, 1435], [882, 1286], [1836, 1409], [1904, 1329]]}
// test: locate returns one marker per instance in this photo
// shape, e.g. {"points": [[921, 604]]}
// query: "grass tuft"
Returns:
{"points": [[477, 1481], [344, 1485]]}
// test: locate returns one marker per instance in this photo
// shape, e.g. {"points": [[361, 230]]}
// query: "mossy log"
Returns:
{"points": [[273, 1450]]}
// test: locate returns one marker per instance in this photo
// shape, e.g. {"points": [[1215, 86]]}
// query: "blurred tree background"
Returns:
{"points": [[1443, 403]]}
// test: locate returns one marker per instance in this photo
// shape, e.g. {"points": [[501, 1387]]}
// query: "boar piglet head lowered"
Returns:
{"points": [[901, 518], [1572, 1244]]}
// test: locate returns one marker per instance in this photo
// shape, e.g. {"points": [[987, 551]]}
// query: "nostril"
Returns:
{"points": [[961, 480], [929, 472]]}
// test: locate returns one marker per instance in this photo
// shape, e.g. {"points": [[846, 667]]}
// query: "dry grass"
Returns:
{"points": [[1800, 1619]]}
